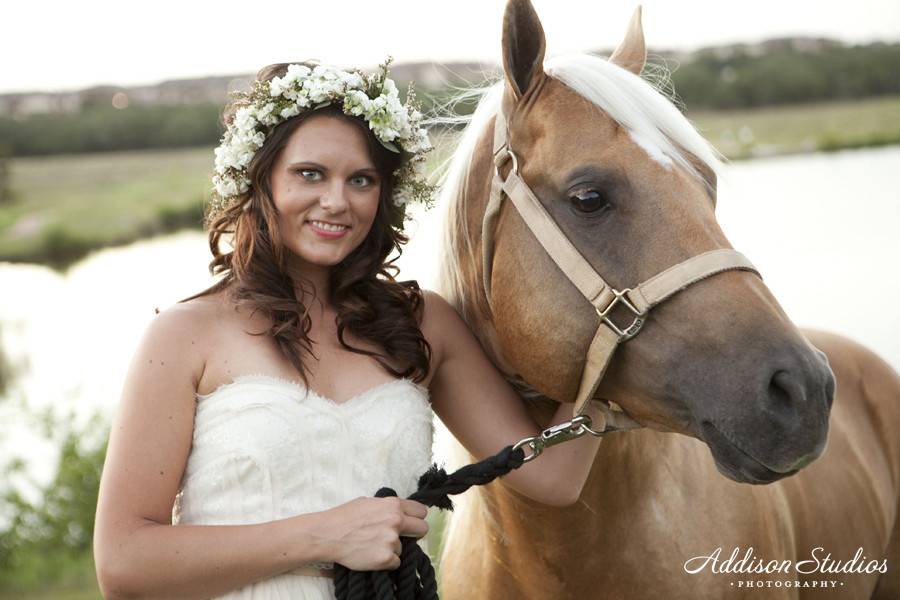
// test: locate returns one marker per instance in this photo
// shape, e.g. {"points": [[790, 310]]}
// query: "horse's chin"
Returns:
{"points": [[734, 463]]}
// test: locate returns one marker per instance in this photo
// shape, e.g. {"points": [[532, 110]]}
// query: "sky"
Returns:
{"points": [[71, 45]]}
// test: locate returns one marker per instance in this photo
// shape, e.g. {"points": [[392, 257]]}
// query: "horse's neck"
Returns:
{"points": [[630, 472]]}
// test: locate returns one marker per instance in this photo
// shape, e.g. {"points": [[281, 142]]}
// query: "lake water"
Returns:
{"points": [[822, 229]]}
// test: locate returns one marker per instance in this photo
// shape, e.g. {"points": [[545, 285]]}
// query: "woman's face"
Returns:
{"points": [[326, 190]]}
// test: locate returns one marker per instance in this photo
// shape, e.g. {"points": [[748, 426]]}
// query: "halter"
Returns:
{"points": [[603, 297]]}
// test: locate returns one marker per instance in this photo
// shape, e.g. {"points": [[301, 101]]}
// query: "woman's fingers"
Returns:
{"points": [[408, 517], [414, 527], [413, 508]]}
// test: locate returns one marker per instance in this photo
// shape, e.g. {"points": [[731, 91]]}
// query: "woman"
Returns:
{"points": [[268, 407]]}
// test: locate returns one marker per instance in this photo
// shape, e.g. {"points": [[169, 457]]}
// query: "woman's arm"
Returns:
{"points": [[139, 554], [486, 414], [154, 560]]}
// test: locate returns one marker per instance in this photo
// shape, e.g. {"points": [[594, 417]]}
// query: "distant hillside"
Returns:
{"points": [[786, 71], [808, 66], [185, 113], [429, 76], [210, 90]]}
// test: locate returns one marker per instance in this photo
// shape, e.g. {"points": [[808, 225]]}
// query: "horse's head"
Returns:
{"points": [[632, 185]]}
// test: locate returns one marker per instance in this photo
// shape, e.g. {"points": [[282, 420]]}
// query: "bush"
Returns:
{"points": [[47, 543], [61, 248]]}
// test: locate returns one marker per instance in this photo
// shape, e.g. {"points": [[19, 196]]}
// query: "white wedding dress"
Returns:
{"points": [[264, 449]]}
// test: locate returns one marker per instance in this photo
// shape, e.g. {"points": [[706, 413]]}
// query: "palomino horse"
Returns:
{"points": [[728, 390]]}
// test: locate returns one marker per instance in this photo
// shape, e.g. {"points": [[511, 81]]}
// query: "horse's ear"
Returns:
{"points": [[632, 53], [523, 46]]}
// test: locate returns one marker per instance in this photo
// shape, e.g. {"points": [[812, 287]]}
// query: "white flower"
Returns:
{"points": [[325, 72], [244, 119], [352, 80], [356, 102], [290, 111], [264, 115], [226, 187], [298, 71], [386, 133], [401, 196], [275, 87]]}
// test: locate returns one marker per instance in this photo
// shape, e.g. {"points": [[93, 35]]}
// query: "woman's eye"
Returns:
{"points": [[310, 174], [360, 180], [589, 200]]}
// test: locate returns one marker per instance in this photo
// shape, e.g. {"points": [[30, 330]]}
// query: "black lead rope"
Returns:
{"points": [[415, 579]]}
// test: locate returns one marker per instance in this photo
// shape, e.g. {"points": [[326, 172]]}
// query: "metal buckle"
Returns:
{"points": [[633, 329], [509, 155]]}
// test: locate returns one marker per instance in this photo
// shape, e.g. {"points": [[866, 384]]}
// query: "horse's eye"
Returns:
{"points": [[589, 200]]}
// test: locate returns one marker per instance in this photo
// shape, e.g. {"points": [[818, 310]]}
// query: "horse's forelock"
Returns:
{"points": [[638, 106]]}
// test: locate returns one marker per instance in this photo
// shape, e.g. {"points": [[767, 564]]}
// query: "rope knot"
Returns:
{"points": [[415, 578]]}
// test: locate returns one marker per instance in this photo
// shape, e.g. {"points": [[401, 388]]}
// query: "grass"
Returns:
{"points": [[73, 579], [85, 593], [56, 594], [64, 207], [802, 128]]}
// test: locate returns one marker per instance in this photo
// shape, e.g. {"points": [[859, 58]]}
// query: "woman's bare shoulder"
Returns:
{"points": [[188, 327], [196, 312]]}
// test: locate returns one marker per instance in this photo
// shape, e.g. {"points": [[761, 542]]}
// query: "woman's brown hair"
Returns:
{"points": [[370, 303]]}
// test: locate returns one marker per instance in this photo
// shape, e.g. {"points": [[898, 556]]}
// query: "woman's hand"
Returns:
{"points": [[365, 533]]}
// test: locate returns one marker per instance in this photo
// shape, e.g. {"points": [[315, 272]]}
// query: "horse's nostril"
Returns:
{"points": [[784, 391], [829, 387]]}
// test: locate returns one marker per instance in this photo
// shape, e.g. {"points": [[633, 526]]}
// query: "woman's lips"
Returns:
{"points": [[327, 233]]}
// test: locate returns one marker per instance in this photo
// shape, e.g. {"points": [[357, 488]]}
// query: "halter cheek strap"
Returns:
{"points": [[603, 297]]}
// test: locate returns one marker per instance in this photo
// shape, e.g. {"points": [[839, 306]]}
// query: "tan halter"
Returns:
{"points": [[639, 300]]}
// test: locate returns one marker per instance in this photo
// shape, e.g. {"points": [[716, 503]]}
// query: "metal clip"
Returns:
{"points": [[554, 435]]}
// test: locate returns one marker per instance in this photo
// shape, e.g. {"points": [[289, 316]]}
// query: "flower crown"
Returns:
{"points": [[373, 97]]}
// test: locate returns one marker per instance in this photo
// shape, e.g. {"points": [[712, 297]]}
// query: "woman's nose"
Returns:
{"points": [[334, 198]]}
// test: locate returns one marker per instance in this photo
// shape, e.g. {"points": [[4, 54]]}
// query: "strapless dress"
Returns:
{"points": [[266, 449]]}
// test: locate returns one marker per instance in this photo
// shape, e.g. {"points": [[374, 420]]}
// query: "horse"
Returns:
{"points": [[728, 488]]}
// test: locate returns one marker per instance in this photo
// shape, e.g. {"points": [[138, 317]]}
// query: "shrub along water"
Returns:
{"points": [[46, 543]]}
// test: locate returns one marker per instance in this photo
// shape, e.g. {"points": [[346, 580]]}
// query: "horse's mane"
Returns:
{"points": [[629, 100]]}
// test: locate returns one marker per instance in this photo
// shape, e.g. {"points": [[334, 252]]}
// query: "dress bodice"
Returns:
{"points": [[266, 449]]}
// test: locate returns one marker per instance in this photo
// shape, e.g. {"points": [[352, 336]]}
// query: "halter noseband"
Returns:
{"points": [[603, 297]]}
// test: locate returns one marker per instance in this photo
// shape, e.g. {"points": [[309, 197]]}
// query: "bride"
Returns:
{"points": [[259, 416]]}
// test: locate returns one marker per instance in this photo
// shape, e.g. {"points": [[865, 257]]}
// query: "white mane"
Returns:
{"points": [[629, 100]]}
